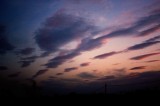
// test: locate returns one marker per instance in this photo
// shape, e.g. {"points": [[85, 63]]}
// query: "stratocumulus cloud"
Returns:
{"points": [[26, 51], [56, 61], [150, 61], [140, 57], [25, 62], [61, 29], [105, 55], [68, 46], [86, 75], [85, 64], [40, 72], [70, 69], [142, 45]]}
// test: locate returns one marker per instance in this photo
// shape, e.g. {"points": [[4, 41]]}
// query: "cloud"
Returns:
{"points": [[138, 68], [3, 68], [56, 61], [85, 64], [61, 29], [54, 36], [70, 69], [149, 31], [156, 38], [140, 57], [30, 58], [119, 72], [88, 44], [40, 72], [111, 77], [14, 74], [121, 32], [26, 51], [59, 74], [5, 45], [137, 81], [27, 60], [142, 45], [149, 74], [26, 63], [150, 61], [54, 64], [142, 77], [147, 43], [151, 18], [148, 20], [105, 55], [86, 75]]}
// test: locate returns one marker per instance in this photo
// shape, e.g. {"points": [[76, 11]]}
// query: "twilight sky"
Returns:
{"points": [[72, 44]]}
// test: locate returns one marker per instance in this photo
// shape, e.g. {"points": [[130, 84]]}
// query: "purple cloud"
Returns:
{"points": [[151, 18], [27, 61], [40, 72], [142, 45], [147, 43], [140, 57], [88, 44], [156, 38], [56, 61], [86, 75], [70, 69], [61, 29], [149, 31], [26, 51], [30, 58], [85, 64], [105, 55]]}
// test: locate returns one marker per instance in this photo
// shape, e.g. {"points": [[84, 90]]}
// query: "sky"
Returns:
{"points": [[67, 45]]}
